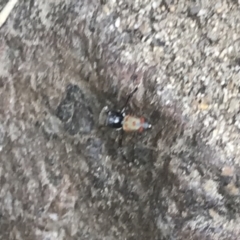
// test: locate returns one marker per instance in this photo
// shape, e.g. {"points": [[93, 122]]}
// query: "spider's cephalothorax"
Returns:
{"points": [[119, 120], [114, 119]]}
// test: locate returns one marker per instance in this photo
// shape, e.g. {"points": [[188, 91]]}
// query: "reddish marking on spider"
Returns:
{"points": [[142, 120]]}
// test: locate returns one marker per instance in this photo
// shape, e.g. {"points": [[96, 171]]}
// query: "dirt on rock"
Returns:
{"points": [[62, 176]]}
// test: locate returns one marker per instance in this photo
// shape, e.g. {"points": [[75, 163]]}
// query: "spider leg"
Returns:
{"points": [[128, 99], [120, 138]]}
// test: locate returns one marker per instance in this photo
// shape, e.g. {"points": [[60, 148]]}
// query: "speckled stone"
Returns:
{"points": [[64, 177]]}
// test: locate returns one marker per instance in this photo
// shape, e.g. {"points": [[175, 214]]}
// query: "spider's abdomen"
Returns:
{"points": [[133, 124]]}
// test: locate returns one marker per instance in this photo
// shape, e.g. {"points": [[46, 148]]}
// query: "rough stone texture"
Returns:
{"points": [[63, 177]]}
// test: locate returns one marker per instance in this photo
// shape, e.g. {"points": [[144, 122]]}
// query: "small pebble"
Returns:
{"points": [[117, 22]]}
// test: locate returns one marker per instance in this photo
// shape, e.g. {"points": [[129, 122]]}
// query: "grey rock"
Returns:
{"points": [[194, 10], [63, 177], [74, 111]]}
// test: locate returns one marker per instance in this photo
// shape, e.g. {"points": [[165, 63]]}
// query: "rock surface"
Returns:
{"points": [[63, 177]]}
